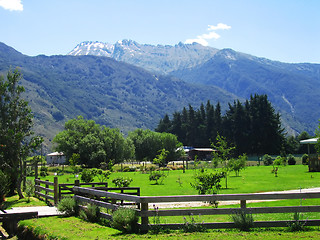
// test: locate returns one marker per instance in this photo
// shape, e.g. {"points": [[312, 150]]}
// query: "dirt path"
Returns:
{"points": [[43, 211], [200, 204]]}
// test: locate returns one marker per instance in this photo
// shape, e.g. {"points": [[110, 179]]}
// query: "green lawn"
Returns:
{"points": [[14, 201], [252, 179], [77, 229]]}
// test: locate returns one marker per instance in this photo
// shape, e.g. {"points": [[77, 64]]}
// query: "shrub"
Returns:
{"points": [[207, 183], [29, 172], [305, 159], [192, 226], [158, 177], [29, 188], [125, 220], [242, 220], [103, 176], [122, 181], [297, 224], [68, 206], [43, 171], [267, 160], [87, 175], [90, 214], [291, 160]]}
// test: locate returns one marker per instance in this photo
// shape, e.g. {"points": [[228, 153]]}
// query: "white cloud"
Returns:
{"points": [[12, 5], [197, 40], [202, 39], [220, 26]]}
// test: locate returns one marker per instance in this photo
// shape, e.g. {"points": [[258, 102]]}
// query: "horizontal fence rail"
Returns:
{"points": [[144, 201], [50, 190]]}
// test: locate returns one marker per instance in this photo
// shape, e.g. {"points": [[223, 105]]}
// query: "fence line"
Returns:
{"points": [[144, 212], [54, 191]]}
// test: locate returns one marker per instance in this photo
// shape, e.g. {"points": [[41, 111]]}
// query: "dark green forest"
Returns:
{"points": [[254, 127]]}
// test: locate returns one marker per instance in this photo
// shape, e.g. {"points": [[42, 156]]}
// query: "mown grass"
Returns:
{"points": [[14, 201], [74, 228], [68, 228], [251, 180]]}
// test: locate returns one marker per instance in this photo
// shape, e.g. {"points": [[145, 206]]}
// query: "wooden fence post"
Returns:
{"points": [[77, 182], [36, 184], [24, 175], [36, 169], [55, 191], [144, 220], [243, 204]]}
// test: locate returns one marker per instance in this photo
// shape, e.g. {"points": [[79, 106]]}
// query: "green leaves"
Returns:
{"points": [[207, 183], [15, 128], [94, 143]]}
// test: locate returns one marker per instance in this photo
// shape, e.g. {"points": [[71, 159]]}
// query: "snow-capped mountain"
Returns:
{"points": [[159, 58]]}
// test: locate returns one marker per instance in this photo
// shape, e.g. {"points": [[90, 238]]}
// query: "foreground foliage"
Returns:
{"points": [[125, 220], [16, 136]]}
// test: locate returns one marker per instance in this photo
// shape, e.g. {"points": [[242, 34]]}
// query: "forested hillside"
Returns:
{"points": [[111, 93]]}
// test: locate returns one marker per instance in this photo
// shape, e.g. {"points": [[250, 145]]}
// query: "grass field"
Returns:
{"points": [[251, 180], [78, 230]]}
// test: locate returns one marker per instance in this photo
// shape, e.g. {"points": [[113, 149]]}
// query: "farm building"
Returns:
{"points": [[314, 161], [56, 158], [201, 153]]}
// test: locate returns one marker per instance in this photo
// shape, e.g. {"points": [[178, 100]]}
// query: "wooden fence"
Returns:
{"points": [[53, 191], [86, 195]]}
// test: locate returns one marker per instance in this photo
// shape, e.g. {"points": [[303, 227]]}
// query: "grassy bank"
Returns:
{"points": [[76, 229]]}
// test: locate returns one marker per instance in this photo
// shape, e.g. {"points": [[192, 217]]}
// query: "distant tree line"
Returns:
{"points": [[95, 144], [253, 126]]}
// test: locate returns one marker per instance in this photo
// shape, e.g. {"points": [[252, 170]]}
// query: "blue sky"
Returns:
{"points": [[283, 30]]}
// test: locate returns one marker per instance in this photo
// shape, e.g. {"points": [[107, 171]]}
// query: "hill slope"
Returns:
{"points": [[112, 93], [293, 89]]}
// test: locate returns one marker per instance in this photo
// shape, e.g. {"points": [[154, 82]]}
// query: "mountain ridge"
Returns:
{"points": [[243, 74], [113, 93], [160, 58]]}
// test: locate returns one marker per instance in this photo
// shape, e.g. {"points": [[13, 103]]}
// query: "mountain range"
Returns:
{"points": [[130, 85], [112, 93], [292, 88]]}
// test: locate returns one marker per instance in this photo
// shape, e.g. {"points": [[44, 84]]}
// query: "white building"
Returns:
{"points": [[56, 158]]}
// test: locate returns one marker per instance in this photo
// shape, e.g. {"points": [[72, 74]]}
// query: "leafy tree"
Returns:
{"points": [[122, 181], [102, 176], [16, 136], [73, 161], [158, 177], [148, 144], [93, 143], [222, 154], [87, 175], [291, 160], [160, 159], [207, 183], [267, 160], [238, 164], [305, 159]]}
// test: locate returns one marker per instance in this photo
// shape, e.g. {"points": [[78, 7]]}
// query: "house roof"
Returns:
{"points": [[309, 141], [55, 154]]}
